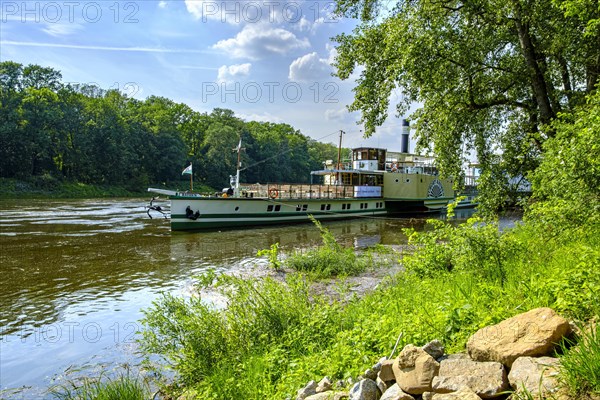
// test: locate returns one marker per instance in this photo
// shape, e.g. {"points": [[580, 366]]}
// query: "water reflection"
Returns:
{"points": [[75, 275]]}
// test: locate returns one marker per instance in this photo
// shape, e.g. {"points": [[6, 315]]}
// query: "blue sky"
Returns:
{"points": [[265, 60]]}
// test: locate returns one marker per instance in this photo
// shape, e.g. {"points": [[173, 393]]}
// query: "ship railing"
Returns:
{"points": [[299, 191]]}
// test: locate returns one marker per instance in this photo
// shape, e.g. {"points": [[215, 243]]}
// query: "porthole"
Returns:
{"points": [[237, 209], [397, 180]]}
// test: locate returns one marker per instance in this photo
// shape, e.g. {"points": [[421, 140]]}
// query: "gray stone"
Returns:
{"points": [[324, 385], [486, 379], [381, 385], [328, 396], [462, 394], [536, 375], [427, 396], [365, 390], [414, 370], [308, 390], [370, 374], [395, 393], [534, 333], [434, 348]]}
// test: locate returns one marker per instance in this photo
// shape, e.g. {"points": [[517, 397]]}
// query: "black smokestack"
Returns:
{"points": [[404, 143]]}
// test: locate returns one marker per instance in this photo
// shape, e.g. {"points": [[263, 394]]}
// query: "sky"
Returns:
{"points": [[265, 60]]}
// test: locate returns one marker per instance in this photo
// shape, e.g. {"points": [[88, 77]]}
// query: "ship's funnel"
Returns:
{"points": [[404, 144]]}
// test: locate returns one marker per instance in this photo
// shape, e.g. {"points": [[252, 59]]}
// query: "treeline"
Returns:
{"points": [[82, 133]]}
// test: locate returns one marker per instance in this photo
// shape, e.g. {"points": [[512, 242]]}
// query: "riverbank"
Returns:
{"points": [[47, 187], [275, 336]]}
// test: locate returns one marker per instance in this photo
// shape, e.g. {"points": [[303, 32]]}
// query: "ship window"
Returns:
{"points": [[361, 205], [328, 207], [343, 206], [269, 208], [237, 209], [348, 206], [277, 207], [298, 207], [304, 207], [322, 207], [397, 180], [407, 180]]}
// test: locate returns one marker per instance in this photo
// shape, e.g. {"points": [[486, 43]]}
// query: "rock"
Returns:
{"points": [[395, 393], [381, 385], [486, 379], [427, 396], [462, 394], [534, 333], [364, 390], [386, 373], [536, 375], [323, 385], [308, 390], [370, 374], [328, 396], [434, 348], [414, 370]]}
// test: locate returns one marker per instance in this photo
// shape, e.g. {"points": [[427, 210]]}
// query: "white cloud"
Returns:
{"points": [[259, 41], [232, 72], [162, 4], [341, 115], [264, 117], [61, 29], [101, 48], [309, 68]]}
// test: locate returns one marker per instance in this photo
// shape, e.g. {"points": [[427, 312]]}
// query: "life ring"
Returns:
{"points": [[273, 193]]}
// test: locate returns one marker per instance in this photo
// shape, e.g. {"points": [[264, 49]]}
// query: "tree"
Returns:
{"points": [[490, 75]]}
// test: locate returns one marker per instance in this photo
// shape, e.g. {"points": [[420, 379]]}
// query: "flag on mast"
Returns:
{"points": [[188, 170]]}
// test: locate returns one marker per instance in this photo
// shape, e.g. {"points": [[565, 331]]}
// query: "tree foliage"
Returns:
{"points": [[490, 75], [84, 134]]}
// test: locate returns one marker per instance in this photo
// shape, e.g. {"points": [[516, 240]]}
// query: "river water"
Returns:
{"points": [[77, 273]]}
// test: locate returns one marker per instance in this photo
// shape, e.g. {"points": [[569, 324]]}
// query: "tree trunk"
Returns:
{"points": [[538, 82]]}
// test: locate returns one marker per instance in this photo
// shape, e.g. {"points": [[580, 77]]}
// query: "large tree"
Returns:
{"points": [[489, 75]]}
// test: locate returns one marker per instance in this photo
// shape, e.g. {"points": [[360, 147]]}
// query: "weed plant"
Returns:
{"points": [[580, 365], [124, 387], [330, 259]]}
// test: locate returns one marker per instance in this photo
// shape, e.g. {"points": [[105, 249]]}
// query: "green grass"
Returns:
{"points": [[275, 336], [328, 260], [580, 365], [123, 387]]}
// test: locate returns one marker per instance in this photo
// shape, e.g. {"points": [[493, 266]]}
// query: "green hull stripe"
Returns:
{"points": [[210, 223]]}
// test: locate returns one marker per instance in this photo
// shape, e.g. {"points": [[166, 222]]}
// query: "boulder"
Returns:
{"points": [[323, 385], [414, 370], [462, 394], [395, 393], [308, 390], [427, 396], [366, 389], [386, 373], [328, 396], [381, 385], [370, 374], [486, 379], [536, 375], [534, 333], [434, 348]]}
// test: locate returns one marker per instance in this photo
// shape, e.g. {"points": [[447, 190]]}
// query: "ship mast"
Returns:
{"points": [[239, 148], [339, 160]]}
